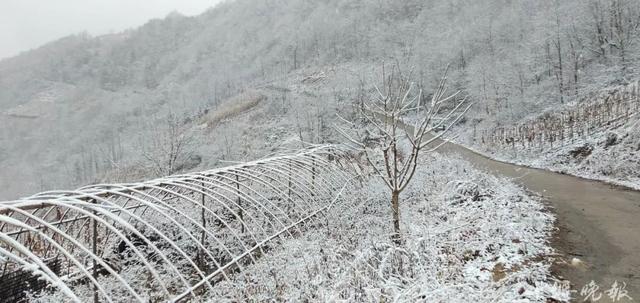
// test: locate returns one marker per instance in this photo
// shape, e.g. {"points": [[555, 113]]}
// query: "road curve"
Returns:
{"points": [[597, 223]]}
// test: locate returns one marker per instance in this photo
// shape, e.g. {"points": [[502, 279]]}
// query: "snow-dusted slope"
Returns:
{"points": [[605, 148], [469, 237], [504, 54]]}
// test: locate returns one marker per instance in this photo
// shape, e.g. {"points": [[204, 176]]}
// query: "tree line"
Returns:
{"points": [[607, 109]]}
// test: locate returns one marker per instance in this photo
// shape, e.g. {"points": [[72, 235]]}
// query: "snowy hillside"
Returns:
{"points": [[513, 58], [605, 146]]}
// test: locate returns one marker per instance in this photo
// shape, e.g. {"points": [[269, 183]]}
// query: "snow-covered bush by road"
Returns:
{"points": [[468, 237]]}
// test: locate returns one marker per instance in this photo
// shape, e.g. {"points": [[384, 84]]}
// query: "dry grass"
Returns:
{"points": [[233, 107]]}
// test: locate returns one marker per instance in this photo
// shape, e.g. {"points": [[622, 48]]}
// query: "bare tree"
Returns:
{"points": [[387, 145], [167, 148], [625, 25], [558, 45]]}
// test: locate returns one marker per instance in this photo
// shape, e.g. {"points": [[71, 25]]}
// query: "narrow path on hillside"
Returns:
{"points": [[597, 223]]}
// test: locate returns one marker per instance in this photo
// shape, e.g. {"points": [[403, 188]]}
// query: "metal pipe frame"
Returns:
{"points": [[182, 233]]}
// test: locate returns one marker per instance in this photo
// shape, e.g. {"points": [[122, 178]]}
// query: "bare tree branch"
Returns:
{"points": [[385, 113]]}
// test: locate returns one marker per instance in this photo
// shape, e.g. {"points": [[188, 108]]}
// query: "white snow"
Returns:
{"points": [[617, 164], [469, 237]]}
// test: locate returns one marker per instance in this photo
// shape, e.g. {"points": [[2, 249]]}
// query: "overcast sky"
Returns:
{"points": [[27, 24]]}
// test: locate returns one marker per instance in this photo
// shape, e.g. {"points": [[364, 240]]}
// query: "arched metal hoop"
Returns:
{"points": [[169, 239]]}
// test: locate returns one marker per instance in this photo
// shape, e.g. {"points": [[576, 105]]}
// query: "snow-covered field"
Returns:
{"points": [[468, 237]]}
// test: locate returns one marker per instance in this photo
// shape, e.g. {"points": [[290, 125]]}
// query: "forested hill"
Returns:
{"points": [[502, 50], [513, 58]]}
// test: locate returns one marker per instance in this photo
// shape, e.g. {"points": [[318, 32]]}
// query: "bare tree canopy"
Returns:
{"points": [[388, 132]]}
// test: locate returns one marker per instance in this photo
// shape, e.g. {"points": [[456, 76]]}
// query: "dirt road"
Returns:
{"points": [[598, 224]]}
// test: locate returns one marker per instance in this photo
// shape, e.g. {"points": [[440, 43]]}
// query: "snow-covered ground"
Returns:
{"points": [[468, 237], [608, 150], [611, 155]]}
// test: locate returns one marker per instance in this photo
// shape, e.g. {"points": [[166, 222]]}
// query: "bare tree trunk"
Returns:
{"points": [[395, 206], [560, 72]]}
